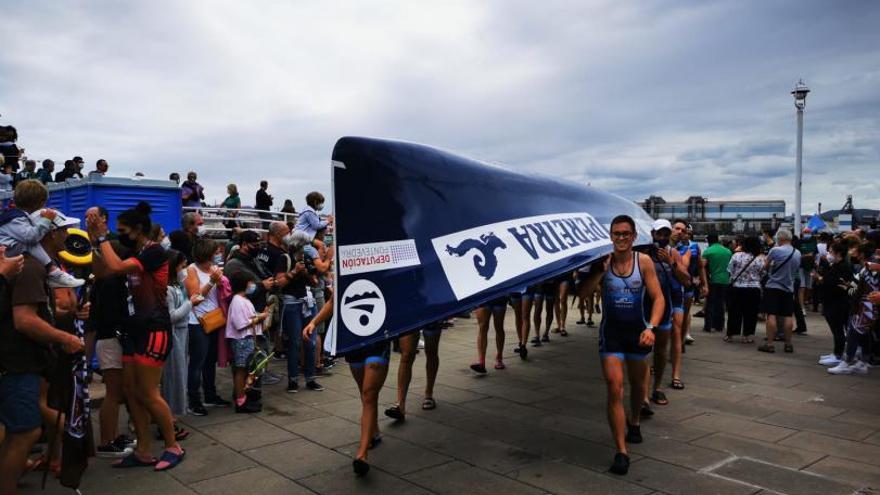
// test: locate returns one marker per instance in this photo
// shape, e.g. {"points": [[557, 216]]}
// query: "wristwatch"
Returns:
{"points": [[101, 239], [650, 327]]}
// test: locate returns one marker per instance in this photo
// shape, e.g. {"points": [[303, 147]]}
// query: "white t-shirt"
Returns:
{"points": [[241, 310], [210, 303]]}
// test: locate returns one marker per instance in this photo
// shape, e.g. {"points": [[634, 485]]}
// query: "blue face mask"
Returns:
{"points": [[251, 288], [217, 259]]}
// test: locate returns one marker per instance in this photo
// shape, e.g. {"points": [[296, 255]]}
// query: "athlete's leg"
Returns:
{"points": [[373, 379], [148, 379], [661, 355], [483, 315], [539, 307], [550, 305], [675, 346], [518, 318], [408, 345], [563, 306], [432, 362], [638, 383], [612, 369], [527, 321], [770, 325], [498, 318]]}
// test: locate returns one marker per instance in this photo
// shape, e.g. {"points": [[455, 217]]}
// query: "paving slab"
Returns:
{"points": [[739, 426], [780, 479], [849, 431], [298, 458], [847, 449], [848, 471], [342, 480], [679, 481], [456, 478], [756, 449], [247, 434], [678, 453], [562, 478], [256, 480], [398, 457], [213, 459], [331, 431]]}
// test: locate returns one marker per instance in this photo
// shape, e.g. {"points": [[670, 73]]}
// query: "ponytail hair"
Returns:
{"points": [[137, 218]]}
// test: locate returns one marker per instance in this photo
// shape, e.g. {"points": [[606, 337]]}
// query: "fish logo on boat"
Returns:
{"points": [[363, 308], [485, 261]]}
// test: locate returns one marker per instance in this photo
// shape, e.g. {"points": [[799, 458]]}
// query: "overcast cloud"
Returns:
{"points": [[673, 98]]}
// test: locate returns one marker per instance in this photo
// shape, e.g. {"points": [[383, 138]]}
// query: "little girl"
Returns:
{"points": [[243, 324]]}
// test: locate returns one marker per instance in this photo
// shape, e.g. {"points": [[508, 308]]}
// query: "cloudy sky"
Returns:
{"points": [[664, 97]]}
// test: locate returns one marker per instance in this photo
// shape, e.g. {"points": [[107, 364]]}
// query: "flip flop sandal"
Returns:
{"points": [[545, 338], [677, 384], [132, 460], [169, 460], [789, 348], [659, 398], [646, 411], [767, 348], [395, 413], [429, 404], [180, 433], [726, 339], [500, 365], [563, 333]]}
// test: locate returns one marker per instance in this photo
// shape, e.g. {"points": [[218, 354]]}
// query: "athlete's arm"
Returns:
{"points": [[323, 315], [679, 268], [589, 286], [704, 280], [658, 302], [113, 265]]}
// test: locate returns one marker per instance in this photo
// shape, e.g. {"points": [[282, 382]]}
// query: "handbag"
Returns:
{"points": [[212, 320]]}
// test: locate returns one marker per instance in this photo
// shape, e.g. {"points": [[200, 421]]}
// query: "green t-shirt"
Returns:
{"points": [[718, 257]]}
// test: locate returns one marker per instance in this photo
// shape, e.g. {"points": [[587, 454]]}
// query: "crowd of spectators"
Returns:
{"points": [[162, 313], [778, 278]]}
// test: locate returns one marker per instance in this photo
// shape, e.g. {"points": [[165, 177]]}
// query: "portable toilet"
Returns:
{"points": [[116, 194]]}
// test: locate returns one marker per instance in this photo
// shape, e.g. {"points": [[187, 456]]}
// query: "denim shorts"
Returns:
{"points": [[241, 350], [20, 402]]}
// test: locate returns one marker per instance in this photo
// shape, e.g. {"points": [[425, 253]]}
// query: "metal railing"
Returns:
{"points": [[220, 221]]}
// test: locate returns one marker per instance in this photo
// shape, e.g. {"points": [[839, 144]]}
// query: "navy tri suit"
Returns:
{"points": [[623, 314]]}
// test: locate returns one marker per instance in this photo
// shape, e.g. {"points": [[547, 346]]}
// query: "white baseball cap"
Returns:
{"points": [[661, 223], [60, 221]]}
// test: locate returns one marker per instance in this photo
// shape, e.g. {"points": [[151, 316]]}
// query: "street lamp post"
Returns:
{"points": [[800, 101]]}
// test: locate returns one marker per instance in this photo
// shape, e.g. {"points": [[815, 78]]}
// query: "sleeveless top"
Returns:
{"points": [[668, 284], [623, 299], [210, 303]]}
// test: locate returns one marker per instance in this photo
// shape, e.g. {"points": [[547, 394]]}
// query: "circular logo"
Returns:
{"points": [[363, 308]]}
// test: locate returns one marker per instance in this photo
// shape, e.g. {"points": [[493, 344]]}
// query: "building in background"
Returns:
{"points": [[723, 217]]}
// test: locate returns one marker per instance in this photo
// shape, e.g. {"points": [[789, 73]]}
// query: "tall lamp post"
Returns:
{"points": [[800, 101]]}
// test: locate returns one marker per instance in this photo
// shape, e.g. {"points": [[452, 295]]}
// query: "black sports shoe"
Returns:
{"points": [[361, 468], [523, 353], [621, 464], [123, 441], [314, 386], [517, 349], [479, 368], [197, 409], [646, 411], [292, 386], [111, 450], [248, 408], [580, 322], [217, 402], [633, 433], [590, 323]]}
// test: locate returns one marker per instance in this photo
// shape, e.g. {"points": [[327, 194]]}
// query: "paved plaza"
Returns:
{"points": [[747, 423]]}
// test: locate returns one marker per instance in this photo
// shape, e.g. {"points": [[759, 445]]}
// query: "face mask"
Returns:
{"points": [[830, 257], [181, 276], [661, 243], [319, 206], [127, 241], [201, 231], [217, 259], [166, 243], [251, 288]]}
